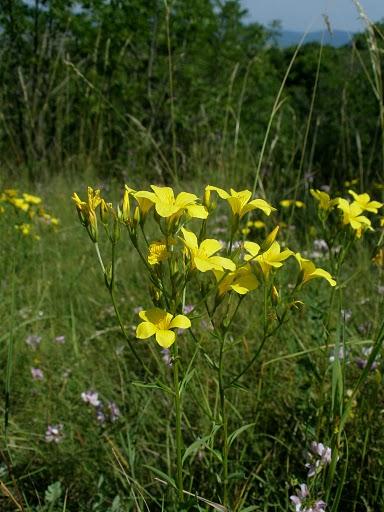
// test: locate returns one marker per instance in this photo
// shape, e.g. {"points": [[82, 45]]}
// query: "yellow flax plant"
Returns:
{"points": [[180, 261]]}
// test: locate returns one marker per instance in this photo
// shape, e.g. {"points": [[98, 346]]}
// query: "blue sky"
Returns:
{"points": [[307, 14]]}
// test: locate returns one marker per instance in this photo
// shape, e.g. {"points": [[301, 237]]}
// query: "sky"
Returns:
{"points": [[302, 15]]}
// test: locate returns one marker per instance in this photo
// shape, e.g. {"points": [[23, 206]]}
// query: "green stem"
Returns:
{"points": [[224, 420], [179, 435], [118, 316]]}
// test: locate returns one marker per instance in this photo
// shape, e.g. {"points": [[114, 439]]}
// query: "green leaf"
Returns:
{"points": [[237, 432], [53, 493], [163, 475]]}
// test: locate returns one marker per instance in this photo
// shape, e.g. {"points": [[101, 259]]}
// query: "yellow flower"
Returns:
{"points": [[202, 256], [259, 224], [167, 205], [25, 229], [351, 215], [157, 252], [29, 198], [286, 203], [241, 281], [271, 258], [159, 323], [325, 202], [365, 203], [354, 181], [10, 192], [309, 271], [19, 203], [240, 201], [382, 222], [86, 211]]}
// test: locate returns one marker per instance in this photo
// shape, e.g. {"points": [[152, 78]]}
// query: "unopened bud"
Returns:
{"points": [[275, 296]]}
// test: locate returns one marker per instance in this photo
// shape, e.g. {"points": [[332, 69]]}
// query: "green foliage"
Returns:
{"points": [[88, 84]]}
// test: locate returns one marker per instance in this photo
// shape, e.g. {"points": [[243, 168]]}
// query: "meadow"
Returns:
{"points": [[192, 301]]}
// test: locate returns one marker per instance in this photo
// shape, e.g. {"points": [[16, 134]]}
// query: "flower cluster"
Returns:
{"points": [[353, 213], [304, 503], [319, 456], [29, 209], [109, 412], [180, 254]]}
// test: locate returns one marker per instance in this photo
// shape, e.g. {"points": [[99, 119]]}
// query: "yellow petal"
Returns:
{"points": [[165, 338], [205, 264], [164, 194], [253, 248], [221, 262], [181, 322], [197, 211], [262, 205], [154, 315], [190, 239], [222, 193], [210, 246], [319, 272], [185, 199], [145, 330]]}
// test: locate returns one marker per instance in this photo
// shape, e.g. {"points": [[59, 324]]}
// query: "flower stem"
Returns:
{"points": [[179, 435], [224, 420]]}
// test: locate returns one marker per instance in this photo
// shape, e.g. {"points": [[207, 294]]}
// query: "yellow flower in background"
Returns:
{"points": [[167, 205], [309, 271], [271, 258], [259, 224], [325, 202], [241, 281], [157, 252], [351, 183], [382, 222], [10, 192], [160, 323], [31, 199], [202, 256], [240, 201], [365, 203], [19, 203], [25, 229], [352, 215], [287, 203]]}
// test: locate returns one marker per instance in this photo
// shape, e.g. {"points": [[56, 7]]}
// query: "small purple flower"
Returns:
{"points": [[319, 457], [340, 355], [91, 398], [301, 495], [37, 374], [188, 308], [33, 341], [60, 340], [114, 411], [380, 289], [166, 357], [54, 433], [362, 362], [100, 416], [137, 309]]}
